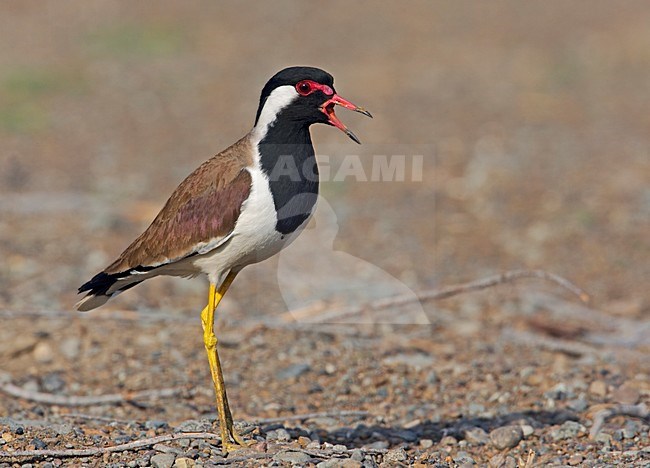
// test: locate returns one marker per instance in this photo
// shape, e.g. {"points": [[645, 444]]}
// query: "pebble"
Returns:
{"points": [[357, 455], [39, 444], [395, 455], [448, 440], [155, 424], [579, 404], [426, 443], [477, 436], [575, 459], [463, 458], [184, 462], [378, 445], [52, 382], [338, 463], [43, 352], [293, 371], [70, 347], [167, 449], [527, 430], [163, 460], [506, 437], [598, 388], [626, 395], [295, 458], [340, 448], [568, 430], [502, 461], [604, 438]]}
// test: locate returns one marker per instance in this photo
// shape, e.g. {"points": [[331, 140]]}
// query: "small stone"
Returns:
{"points": [[293, 371], [349, 463], [313, 445], [340, 448], [70, 347], [357, 455], [52, 382], [604, 438], [506, 437], [163, 460], [282, 435], [575, 459], [43, 352], [527, 430], [338, 463], [378, 445], [463, 458], [167, 449], [578, 405], [7, 437], [426, 443], [568, 430], [295, 458], [38, 444], [155, 424], [184, 462], [502, 461], [330, 368], [395, 456], [476, 436], [20, 430], [598, 388], [448, 440], [626, 395]]}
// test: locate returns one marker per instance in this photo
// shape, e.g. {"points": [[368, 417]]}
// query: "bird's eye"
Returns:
{"points": [[304, 88]]}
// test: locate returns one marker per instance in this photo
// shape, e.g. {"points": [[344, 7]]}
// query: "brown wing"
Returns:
{"points": [[202, 210]]}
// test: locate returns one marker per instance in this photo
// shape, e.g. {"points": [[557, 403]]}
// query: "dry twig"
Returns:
{"points": [[312, 312], [635, 411], [93, 451], [63, 400]]}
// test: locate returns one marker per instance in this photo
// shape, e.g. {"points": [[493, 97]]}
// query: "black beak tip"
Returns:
{"points": [[361, 110], [353, 137]]}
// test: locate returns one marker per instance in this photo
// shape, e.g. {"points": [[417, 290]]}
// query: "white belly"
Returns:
{"points": [[254, 238]]}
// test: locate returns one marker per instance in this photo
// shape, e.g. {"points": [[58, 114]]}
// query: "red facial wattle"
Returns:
{"points": [[306, 87]]}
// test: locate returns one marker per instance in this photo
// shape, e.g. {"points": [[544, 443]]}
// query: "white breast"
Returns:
{"points": [[254, 238]]}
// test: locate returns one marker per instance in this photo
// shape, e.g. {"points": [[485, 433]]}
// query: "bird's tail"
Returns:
{"points": [[102, 287]]}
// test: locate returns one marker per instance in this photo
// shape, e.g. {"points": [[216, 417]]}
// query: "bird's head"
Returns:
{"points": [[303, 96]]}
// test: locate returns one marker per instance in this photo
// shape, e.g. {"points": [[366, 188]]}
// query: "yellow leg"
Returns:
{"points": [[230, 439]]}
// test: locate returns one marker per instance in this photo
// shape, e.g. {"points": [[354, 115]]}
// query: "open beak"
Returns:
{"points": [[328, 109]]}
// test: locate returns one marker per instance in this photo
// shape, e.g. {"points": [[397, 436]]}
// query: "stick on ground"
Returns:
{"points": [[634, 411], [315, 312], [93, 451], [115, 398]]}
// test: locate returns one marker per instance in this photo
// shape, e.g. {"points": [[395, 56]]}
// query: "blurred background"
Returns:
{"points": [[536, 120], [533, 118]]}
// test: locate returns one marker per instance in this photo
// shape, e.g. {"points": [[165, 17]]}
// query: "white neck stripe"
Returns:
{"points": [[279, 98]]}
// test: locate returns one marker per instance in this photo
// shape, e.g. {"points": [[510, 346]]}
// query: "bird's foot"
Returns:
{"points": [[232, 440], [237, 442]]}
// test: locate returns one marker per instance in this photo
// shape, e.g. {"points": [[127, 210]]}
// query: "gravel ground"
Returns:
{"points": [[534, 126]]}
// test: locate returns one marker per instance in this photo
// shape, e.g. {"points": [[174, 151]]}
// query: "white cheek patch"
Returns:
{"points": [[279, 98]]}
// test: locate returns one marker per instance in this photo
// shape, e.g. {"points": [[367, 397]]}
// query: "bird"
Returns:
{"points": [[238, 208]]}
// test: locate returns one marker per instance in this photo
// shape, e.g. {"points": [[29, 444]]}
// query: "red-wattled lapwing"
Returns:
{"points": [[235, 209]]}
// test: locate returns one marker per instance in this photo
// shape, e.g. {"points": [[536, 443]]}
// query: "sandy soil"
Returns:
{"points": [[533, 125]]}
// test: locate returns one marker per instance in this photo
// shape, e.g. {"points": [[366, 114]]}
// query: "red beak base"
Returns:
{"points": [[328, 109]]}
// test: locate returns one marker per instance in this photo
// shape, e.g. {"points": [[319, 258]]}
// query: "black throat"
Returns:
{"points": [[287, 158]]}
